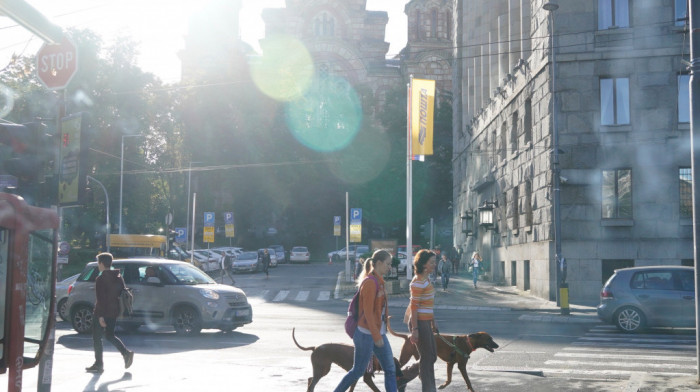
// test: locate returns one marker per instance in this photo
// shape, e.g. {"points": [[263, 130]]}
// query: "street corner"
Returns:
{"points": [[641, 382]]}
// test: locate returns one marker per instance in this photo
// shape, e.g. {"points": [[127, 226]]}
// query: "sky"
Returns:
{"points": [[159, 27]]}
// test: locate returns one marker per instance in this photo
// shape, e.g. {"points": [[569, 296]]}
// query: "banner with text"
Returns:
{"points": [[209, 227], [336, 226], [422, 104], [228, 224]]}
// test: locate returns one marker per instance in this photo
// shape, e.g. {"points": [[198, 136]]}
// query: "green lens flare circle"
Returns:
{"points": [[285, 70]]}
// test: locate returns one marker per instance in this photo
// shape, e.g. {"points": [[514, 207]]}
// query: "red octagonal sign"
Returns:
{"points": [[56, 64]]}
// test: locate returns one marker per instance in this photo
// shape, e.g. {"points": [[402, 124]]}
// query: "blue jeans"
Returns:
{"points": [[475, 274], [364, 346]]}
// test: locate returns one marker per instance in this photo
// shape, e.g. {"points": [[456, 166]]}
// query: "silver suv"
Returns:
{"points": [[166, 292], [661, 296]]}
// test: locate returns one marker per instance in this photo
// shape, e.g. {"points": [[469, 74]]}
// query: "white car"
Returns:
{"points": [[62, 296], [246, 261], [207, 260], [299, 254]]}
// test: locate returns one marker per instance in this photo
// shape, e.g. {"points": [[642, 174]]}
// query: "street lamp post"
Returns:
{"points": [[559, 260], [189, 184], [90, 178], [121, 181]]}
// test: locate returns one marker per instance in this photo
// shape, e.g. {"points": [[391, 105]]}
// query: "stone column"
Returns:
{"points": [[515, 40]]}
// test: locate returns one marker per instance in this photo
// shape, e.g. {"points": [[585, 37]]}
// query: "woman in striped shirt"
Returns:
{"points": [[421, 322]]}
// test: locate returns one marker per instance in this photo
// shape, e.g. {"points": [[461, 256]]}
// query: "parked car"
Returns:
{"points": [[273, 256], [404, 260], [207, 260], [62, 296], [279, 250], [354, 251], [180, 295], [300, 254], [640, 297], [246, 261]]}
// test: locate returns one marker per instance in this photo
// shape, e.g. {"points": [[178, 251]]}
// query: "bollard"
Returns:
{"points": [[564, 298]]}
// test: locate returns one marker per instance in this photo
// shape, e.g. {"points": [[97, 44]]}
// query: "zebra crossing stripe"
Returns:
{"points": [[673, 366], [635, 340], [324, 296], [628, 350], [302, 296], [637, 345], [281, 296], [624, 356]]}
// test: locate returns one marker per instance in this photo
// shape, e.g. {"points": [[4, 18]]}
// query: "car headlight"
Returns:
{"points": [[208, 293]]}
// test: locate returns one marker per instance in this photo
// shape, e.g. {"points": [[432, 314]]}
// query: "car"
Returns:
{"points": [[404, 260], [246, 261], [653, 296], [299, 254], [279, 250], [62, 296], [207, 260], [354, 251], [180, 295], [273, 256]]}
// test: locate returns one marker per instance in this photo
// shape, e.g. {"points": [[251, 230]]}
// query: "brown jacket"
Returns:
{"points": [[108, 286], [371, 304]]}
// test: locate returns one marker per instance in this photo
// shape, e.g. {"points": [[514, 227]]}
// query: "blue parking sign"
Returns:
{"points": [[356, 216], [209, 219], [181, 235]]}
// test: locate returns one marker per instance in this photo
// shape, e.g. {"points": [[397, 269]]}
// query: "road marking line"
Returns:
{"points": [[281, 296], [302, 296], [553, 371], [324, 296], [624, 350], [635, 340], [264, 293], [621, 364], [622, 356], [637, 345]]}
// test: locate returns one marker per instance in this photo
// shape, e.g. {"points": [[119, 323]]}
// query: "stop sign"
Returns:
{"points": [[56, 64]]}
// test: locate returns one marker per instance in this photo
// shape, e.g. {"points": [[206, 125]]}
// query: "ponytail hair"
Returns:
{"points": [[379, 255]]}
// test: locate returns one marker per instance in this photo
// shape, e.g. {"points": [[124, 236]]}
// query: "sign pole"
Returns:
{"points": [[194, 208], [348, 277], [409, 186]]}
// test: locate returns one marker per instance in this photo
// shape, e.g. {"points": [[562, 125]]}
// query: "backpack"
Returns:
{"points": [[354, 309], [126, 303]]}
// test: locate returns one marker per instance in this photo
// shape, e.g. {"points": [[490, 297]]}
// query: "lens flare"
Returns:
{"points": [[364, 159], [7, 100], [285, 70], [327, 117]]}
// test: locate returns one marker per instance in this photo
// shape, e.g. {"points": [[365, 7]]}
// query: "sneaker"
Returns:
{"points": [[96, 368], [128, 359]]}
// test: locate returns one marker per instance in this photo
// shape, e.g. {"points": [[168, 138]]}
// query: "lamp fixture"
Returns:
{"points": [[467, 223], [486, 214]]}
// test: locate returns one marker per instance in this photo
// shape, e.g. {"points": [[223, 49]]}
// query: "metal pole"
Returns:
{"points": [[194, 208], [348, 275], [409, 186], [121, 186], [189, 183], [91, 178], [694, 14], [551, 7]]}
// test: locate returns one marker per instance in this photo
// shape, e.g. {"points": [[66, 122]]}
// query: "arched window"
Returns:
{"points": [[324, 25], [418, 28], [433, 24]]}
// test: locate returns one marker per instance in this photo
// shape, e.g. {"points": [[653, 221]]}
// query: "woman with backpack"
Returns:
{"points": [[370, 335]]}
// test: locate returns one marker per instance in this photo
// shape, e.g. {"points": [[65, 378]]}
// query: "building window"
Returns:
{"points": [[686, 192], [503, 145], [527, 121], [683, 98], [528, 203], [613, 14], [514, 207], [494, 148], [418, 27], [681, 14], [617, 194], [514, 133], [324, 25], [433, 24], [614, 101], [448, 24]]}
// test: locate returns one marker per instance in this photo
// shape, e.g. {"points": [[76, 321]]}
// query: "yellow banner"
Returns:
{"points": [[336, 231], [230, 232], [208, 234], [355, 233], [422, 109]]}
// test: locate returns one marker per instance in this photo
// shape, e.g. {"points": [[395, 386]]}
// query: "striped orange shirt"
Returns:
{"points": [[422, 298]]}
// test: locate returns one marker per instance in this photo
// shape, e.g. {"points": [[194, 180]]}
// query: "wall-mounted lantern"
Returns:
{"points": [[467, 223], [486, 214]]}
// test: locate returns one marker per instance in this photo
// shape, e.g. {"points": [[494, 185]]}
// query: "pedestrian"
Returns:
{"points": [[460, 257], [454, 258], [266, 263], [475, 265], [420, 319], [108, 286], [445, 268], [370, 335], [359, 263]]}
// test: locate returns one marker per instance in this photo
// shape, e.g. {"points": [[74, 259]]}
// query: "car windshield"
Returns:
{"points": [[247, 256], [186, 274], [299, 249], [278, 248]]}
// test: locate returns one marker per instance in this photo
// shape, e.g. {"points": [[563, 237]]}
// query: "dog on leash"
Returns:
{"points": [[453, 349], [323, 356]]}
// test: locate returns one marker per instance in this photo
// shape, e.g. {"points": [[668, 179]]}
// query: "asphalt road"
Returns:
{"points": [[533, 356]]}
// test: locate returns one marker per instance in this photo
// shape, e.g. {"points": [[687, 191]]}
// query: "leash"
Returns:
{"points": [[454, 345]]}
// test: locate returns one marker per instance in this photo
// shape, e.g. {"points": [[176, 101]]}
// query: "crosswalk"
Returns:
{"points": [[290, 295], [604, 351]]}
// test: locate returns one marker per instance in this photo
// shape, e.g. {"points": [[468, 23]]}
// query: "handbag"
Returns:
{"points": [[354, 309]]}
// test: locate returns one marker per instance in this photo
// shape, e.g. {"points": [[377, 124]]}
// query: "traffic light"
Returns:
{"points": [[27, 153]]}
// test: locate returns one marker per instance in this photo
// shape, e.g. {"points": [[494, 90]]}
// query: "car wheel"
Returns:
{"points": [[63, 309], [335, 258], [81, 318], [629, 319], [187, 321]]}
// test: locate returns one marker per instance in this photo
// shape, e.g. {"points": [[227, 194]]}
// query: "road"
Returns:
{"points": [[536, 356]]}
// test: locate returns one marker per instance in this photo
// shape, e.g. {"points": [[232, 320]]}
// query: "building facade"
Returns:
{"points": [[621, 110]]}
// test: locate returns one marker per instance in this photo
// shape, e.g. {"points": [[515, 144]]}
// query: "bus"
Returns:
{"points": [[135, 245]]}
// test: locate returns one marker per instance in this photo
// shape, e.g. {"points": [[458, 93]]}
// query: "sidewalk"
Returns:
{"points": [[461, 295]]}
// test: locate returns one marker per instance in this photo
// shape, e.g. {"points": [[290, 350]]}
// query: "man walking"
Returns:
{"points": [[266, 263], [108, 286]]}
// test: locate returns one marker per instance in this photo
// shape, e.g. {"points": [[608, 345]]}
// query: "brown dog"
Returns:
{"points": [[450, 348], [323, 356]]}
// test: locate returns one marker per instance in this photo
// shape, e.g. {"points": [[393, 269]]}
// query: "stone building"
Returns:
{"points": [[622, 116]]}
